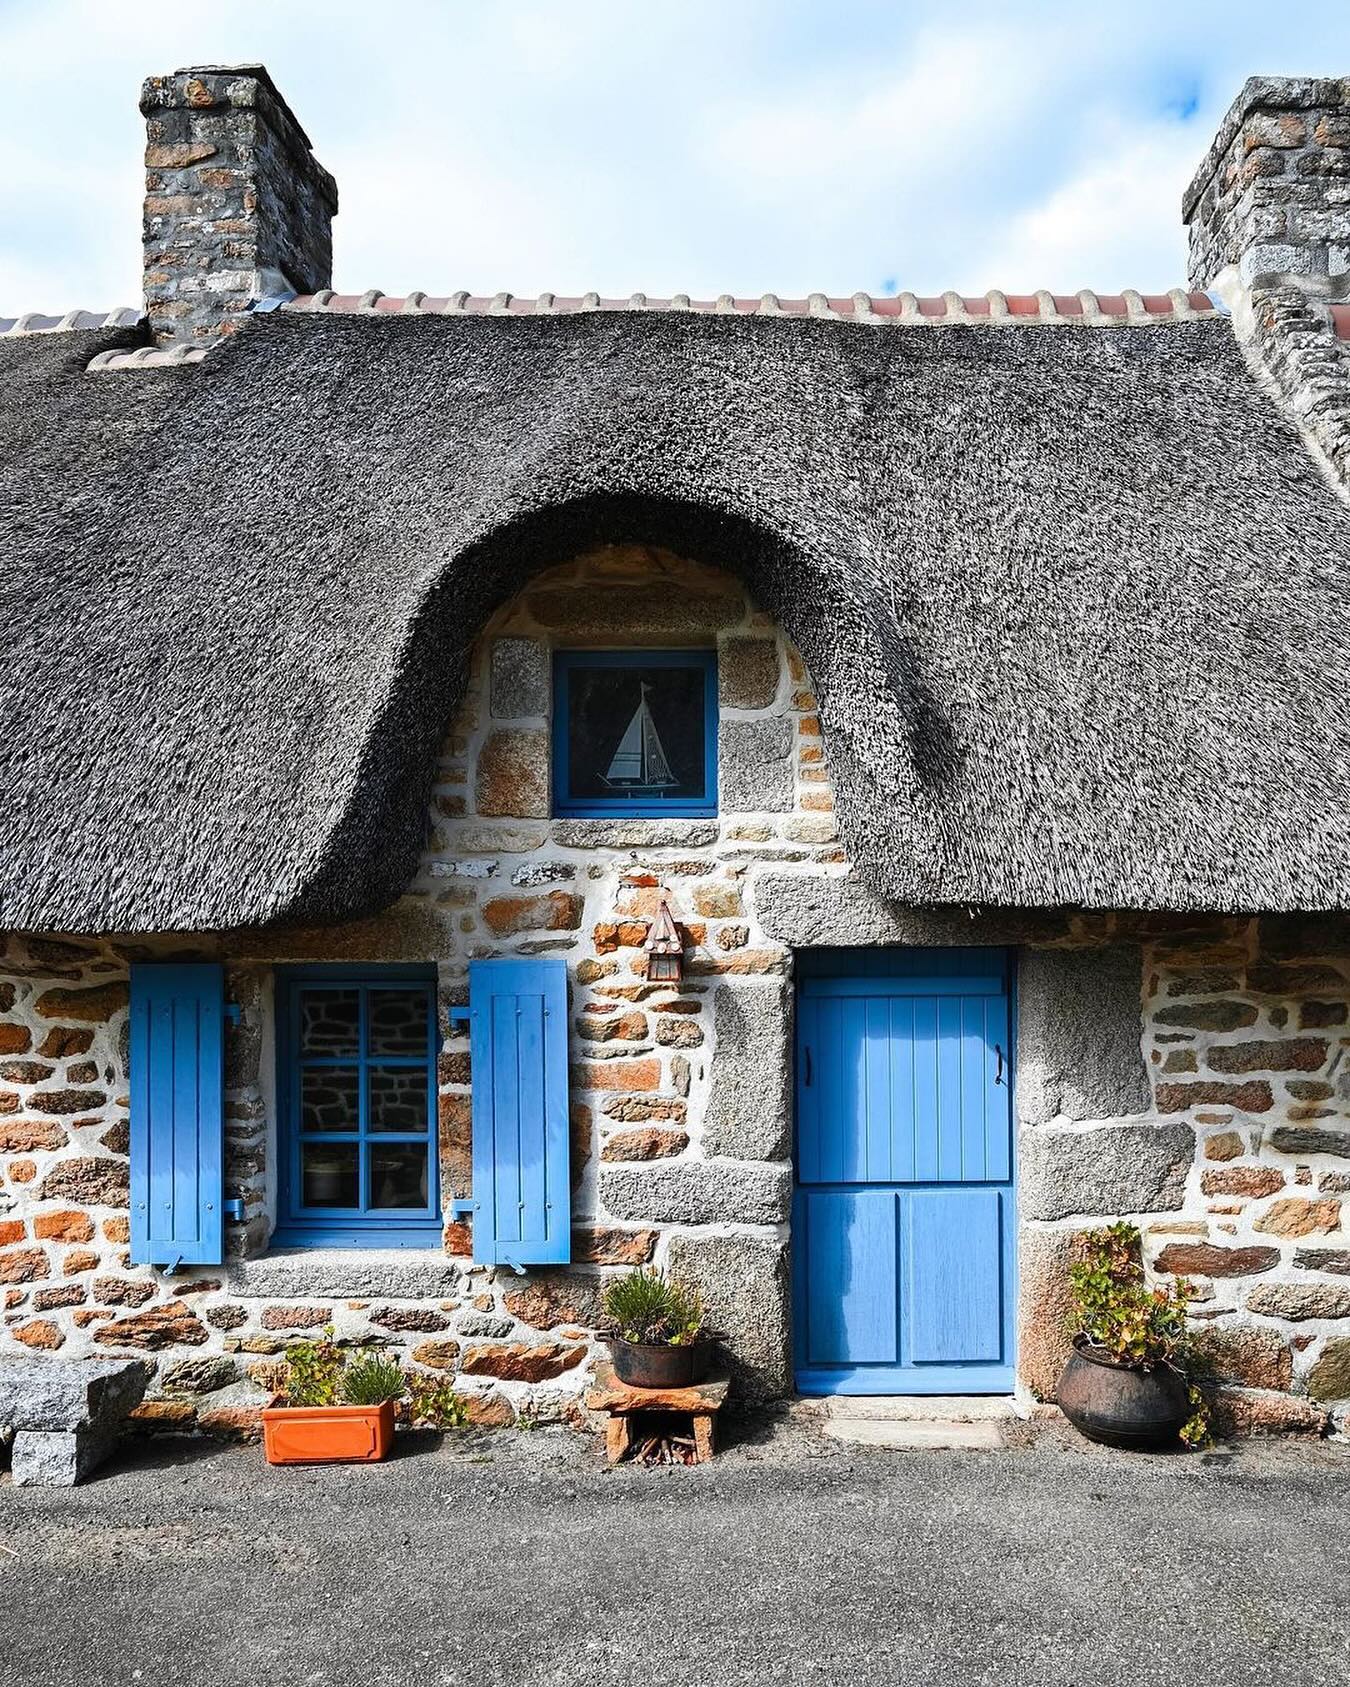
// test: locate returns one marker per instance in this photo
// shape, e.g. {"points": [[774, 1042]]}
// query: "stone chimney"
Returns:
{"points": [[1270, 204], [237, 207], [1269, 220]]}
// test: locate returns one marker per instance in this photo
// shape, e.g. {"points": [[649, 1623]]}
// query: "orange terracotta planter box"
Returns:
{"points": [[328, 1434]]}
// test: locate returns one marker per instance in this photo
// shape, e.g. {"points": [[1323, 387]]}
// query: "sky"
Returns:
{"points": [[746, 146]]}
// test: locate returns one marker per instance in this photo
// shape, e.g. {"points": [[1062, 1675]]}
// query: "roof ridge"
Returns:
{"points": [[34, 322], [991, 307]]}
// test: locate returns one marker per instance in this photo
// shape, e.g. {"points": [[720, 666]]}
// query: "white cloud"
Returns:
{"points": [[1115, 223]]}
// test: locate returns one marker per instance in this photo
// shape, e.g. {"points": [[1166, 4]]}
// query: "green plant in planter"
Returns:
{"points": [[1117, 1313], [649, 1309], [370, 1378], [320, 1373], [314, 1372]]}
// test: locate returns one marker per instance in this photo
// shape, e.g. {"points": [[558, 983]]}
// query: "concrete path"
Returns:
{"points": [[791, 1559]]}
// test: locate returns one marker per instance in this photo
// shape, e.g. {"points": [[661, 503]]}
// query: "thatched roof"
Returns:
{"points": [[1073, 597]]}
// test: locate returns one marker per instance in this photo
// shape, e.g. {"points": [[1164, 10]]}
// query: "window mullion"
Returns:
{"points": [[362, 1097]]}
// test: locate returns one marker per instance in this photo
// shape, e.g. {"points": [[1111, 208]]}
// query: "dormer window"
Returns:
{"points": [[635, 732]]}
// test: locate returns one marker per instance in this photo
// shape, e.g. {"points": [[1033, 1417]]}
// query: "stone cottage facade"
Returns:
{"points": [[366, 790]]}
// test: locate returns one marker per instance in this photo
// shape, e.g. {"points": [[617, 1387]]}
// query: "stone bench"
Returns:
{"points": [[66, 1414]]}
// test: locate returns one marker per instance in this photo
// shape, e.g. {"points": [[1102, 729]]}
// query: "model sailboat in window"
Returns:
{"points": [[640, 762]]}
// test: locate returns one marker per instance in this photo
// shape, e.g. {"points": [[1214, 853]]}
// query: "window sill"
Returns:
{"points": [[347, 1273], [387, 1238], [632, 832]]}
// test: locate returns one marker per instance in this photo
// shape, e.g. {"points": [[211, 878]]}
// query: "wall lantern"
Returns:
{"points": [[664, 946]]}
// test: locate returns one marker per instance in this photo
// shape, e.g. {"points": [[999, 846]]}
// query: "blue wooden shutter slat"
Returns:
{"points": [[521, 1169], [531, 1103], [177, 1113]]}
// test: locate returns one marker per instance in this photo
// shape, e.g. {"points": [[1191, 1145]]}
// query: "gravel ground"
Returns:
{"points": [[516, 1558]]}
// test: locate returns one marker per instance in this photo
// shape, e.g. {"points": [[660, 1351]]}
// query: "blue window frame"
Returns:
{"points": [[635, 732], [356, 1083]]}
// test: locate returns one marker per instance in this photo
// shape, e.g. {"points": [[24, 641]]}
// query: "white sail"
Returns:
{"points": [[640, 761]]}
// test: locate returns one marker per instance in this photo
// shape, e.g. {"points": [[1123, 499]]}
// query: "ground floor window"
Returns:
{"points": [[635, 732], [356, 1084]]}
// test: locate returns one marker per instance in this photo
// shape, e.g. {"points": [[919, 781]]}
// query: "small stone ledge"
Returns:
{"points": [[354, 1273], [622, 833]]}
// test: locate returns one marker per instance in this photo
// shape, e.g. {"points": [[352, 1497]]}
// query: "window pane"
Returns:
{"points": [[398, 1175], [636, 732], [330, 1098], [398, 1021], [330, 1022], [329, 1174], [398, 1098]]}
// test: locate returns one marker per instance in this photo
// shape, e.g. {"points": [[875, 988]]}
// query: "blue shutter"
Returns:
{"points": [[521, 1177], [177, 1114]]}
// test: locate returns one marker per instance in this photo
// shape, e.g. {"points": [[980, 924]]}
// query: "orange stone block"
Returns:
{"points": [[68, 1226], [626, 1076], [558, 911], [39, 1333]]}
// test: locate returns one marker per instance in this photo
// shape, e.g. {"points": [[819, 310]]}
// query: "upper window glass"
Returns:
{"points": [[635, 732]]}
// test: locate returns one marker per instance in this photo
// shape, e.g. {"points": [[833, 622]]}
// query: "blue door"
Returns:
{"points": [[903, 1220]]}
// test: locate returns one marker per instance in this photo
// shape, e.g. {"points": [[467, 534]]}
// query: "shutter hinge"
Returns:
{"points": [[234, 1210], [463, 1208], [234, 1014]]}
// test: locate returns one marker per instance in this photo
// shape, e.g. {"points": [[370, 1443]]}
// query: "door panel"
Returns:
{"points": [[850, 1242], [953, 1276], [903, 1244]]}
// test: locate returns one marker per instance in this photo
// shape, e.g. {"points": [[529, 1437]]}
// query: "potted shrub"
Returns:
{"points": [[339, 1408], [657, 1334], [1126, 1382]]}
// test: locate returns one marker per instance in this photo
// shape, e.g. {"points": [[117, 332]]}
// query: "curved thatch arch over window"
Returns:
{"points": [[468, 589]]}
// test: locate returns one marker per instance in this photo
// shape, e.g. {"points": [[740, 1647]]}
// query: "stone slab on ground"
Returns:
{"points": [[66, 1415], [63, 1394], [909, 1422], [918, 1434], [59, 1458], [912, 1408]]}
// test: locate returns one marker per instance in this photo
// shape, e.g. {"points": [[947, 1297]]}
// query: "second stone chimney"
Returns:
{"points": [[237, 207], [1271, 201], [1269, 220]]}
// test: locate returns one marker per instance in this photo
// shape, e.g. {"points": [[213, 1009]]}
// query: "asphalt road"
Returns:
{"points": [[518, 1559]]}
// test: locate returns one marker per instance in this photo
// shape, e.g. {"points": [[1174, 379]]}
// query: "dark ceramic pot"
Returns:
{"points": [[1122, 1405], [661, 1365]]}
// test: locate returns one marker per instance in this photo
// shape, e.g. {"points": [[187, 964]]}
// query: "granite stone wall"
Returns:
{"points": [[1188, 1075], [1234, 1165]]}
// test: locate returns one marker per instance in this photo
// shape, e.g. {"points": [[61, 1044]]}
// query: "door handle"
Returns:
{"points": [[998, 1072]]}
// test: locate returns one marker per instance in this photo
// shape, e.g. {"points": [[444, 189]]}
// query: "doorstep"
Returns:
{"points": [[975, 1422]]}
